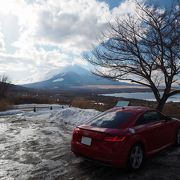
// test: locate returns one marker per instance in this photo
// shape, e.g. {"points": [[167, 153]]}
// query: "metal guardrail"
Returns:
{"points": [[39, 107]]}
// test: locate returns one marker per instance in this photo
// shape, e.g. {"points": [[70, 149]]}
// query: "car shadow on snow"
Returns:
{"points": [[162, 166]]}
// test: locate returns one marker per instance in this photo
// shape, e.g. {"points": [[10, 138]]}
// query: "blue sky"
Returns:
{"points": [[113, 3], [39, 37]]}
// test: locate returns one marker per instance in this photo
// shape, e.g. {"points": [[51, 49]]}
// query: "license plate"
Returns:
{"points": [[86, 140]]}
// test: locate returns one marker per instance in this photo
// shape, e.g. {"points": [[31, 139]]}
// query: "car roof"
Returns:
{"points": [[133, 109]]}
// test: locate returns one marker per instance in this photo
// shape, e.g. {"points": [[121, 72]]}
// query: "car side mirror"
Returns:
{"points": [[168, 118]]}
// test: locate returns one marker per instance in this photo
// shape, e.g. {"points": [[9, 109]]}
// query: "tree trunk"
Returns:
{"points": [[161, 103]]}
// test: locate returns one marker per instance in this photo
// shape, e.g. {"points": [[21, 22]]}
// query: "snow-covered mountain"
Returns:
{"points": [[72, 76]]}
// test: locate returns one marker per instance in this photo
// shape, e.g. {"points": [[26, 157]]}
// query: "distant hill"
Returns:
{"points": [[72, 76], [17, 88]]}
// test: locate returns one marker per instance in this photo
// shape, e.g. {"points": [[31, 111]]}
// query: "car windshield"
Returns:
{"points": [[110, 119]]}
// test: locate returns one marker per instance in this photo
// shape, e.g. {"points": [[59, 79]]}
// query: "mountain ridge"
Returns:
{"points": [[72, 76]]}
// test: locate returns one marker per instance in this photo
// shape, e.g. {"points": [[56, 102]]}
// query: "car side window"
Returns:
{"points": [[151, 116], [148, 117], [141, 120]]}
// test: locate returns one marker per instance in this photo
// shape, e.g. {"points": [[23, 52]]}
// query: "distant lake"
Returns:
{"points": [[143, 96]]}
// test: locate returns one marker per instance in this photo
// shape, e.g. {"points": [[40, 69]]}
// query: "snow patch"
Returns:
{"points": [[10, 112], [58, 80], [74, 116], [101, 104]]}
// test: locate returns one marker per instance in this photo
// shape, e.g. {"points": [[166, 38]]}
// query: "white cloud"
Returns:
{"points": [[48, 34], [67, 24], [2, 43], [125, 7]]}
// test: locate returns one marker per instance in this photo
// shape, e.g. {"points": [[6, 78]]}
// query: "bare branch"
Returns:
{"points": [[142, 46]]}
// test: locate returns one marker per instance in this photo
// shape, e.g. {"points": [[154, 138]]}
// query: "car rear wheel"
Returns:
{"points": [[136, 157], [178, 137]]}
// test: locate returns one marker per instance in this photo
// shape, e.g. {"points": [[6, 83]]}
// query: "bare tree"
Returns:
{"points": [[4, 85], [143, 48]]}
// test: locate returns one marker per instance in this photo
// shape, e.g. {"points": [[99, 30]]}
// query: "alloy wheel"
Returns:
{"points": [[178, 137], [136, 157]]}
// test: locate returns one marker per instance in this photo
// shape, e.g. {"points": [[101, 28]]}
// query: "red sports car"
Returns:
{"points": [[123, 137]]}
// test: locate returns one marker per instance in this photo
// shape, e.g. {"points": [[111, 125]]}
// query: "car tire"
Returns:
{"points": [[178, 137], [136, 157]]}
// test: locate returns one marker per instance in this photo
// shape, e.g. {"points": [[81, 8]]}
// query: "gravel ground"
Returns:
{"points": [[37, 146]]}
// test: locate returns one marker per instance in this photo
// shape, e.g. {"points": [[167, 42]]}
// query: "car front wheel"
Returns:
{"points": [[136, 157]]}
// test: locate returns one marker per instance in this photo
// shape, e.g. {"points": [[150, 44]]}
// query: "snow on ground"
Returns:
{"points": [[36, 145], [32, 143], [74, 116], [59, 113]]}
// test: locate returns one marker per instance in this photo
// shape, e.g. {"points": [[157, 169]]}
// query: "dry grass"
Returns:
{"points": [[33, 99], [4, 104], [104, 103], [84, 103], [172, 109], [100, 103]]}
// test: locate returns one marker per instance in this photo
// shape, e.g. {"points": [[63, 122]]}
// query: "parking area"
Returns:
{"points": [[37, 146]]}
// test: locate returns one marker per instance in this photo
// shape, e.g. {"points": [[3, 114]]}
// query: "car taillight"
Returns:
{"points": [[114, 138], [76, 131], [75, 135]]}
